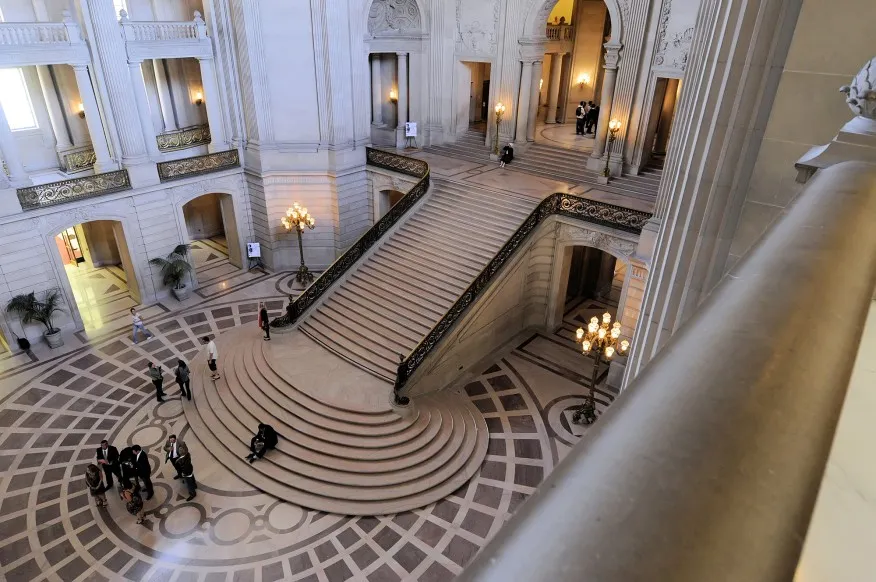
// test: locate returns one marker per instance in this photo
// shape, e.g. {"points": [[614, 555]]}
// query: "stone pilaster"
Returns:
{"points": [[534, 92], [93, 120], [213, 103], [715, 142]]}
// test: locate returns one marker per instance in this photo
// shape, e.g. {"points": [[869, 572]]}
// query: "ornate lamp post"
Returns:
{"points": [[600, 340], [500, 111], [613, 127], [298, 218]]}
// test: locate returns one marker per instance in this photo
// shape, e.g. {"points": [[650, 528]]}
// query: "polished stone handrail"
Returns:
{"points": [[380, 159], [557, 204], [708, 466]]}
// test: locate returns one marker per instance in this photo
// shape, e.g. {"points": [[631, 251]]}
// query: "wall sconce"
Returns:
{"points": [[199, 98], [393, 95], [81, 110], [540, 84], [583, 79]]}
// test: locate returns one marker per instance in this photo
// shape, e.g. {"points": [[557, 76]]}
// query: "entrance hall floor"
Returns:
{"points": [[54, 412], [101, 294]]}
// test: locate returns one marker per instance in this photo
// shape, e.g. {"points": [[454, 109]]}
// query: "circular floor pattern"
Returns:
{"points": [[50, 529]]}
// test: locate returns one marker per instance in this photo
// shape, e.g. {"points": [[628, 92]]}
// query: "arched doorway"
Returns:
{"points": [[591, 283], [100, 272], [211, 227]]}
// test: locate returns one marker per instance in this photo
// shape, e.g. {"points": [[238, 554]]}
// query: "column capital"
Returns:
{"points": [[612, 55], [205, 58], [134, 63], [80, 67], [402, 54]]}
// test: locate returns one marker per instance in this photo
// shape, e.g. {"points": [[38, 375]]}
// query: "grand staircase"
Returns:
{"points": [[388, 304], [556, 164], [349, 460]]}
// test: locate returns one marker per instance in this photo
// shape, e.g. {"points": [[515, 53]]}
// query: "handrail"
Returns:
{"points": [[381, 159], [708, 466], [556, 204]]}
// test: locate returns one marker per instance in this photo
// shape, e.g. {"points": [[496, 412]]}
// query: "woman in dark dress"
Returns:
{"points": [[95, 485], [133, 501], [507, 155], [182, 379]]}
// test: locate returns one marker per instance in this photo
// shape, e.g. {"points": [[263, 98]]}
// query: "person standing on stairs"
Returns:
{"points": [[182, 379], [507, 155], [264, 321], [157, 380], [212, 355]]}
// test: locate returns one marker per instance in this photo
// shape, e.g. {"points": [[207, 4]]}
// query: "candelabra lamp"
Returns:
{"points": [[297, 218], [599, 340], [500, 112], [613, 127]]}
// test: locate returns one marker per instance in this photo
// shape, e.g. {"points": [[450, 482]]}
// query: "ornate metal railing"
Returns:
{"points": [[75, 189], [197, 165], [557, 204], [186, 137], [387, 161], [78, 161]]}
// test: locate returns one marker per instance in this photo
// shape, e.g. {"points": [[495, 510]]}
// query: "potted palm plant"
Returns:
{"points": [[29, 308], [174, 268]]}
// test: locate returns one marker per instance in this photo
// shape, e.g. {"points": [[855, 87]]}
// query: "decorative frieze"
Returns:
{"points": [[78, 161], [53, 193], [197, 165], [187, 137], [393, 17]]}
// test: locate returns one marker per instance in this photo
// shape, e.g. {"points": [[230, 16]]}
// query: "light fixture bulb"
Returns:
{"points": [[624, 346], [592, 327], [609, 352], [606, 317], [585, 346], [615, 333], [601, 333], [579, 334]]}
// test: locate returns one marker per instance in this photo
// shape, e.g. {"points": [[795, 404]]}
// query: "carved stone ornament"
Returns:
{"points": [[605, 242], [861, 92], [393, 16], [477, 23]]}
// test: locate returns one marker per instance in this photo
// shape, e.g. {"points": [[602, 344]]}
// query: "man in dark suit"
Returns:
{"points": [[143, 470], [108, 459]]}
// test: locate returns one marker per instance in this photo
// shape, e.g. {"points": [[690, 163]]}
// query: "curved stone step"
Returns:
{"points": [[419, 468]]}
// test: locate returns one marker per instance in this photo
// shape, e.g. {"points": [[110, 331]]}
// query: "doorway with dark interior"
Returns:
{"points": [[211, 227]]}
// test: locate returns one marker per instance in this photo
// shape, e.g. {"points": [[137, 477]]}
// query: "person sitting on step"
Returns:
{"points": [[264, 440], [507, 155]]}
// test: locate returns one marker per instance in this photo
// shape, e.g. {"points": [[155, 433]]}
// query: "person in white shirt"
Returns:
{"points": [[138, 326], [212, 355]]}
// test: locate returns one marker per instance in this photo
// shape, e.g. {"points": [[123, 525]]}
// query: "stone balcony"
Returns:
{"points": [[42, 43], [165, 40]]}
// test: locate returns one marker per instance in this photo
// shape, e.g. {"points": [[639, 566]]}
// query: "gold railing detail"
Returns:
{"points": [[194, 166], [78, 161], [74, 189], [187, 137]]}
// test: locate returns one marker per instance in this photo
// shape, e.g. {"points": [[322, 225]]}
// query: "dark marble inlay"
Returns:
{"points": [[430, 533], [527, 449], [195, 318], [325, 551], [497, 447], [9, 416], [114, 348], [59, 552], [20, 481], [65, 420], [272, 572], [501, 383], [300, 563], [58, 378], [460, 550], [244, 576], [85, 362], [348, 537], [104, 369], [161, 575], [25, 572], [386, 538], [338, 572], [222, 312], [406, 519], [49, 513], [33, 396], [36, 419], [522, 424], [383, 574], [494, 425], [477, 523], [117, 561], [85, 423], [11, 552], [409, 557], [493, 470], [32, 460], [475, 389], [446, 510], [101, 548], [436, 573], [513, 402], [528, 475], [487, 495], [51, 533], [363, 556], [485, 405]]}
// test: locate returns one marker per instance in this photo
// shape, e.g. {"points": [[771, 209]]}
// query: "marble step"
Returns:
{"points": [[425, 246], [358, 484]]}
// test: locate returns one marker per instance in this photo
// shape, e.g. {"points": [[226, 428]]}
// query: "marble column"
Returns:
{"points": [[523, 101], [376, 92], [109, 47], [165, 100], [709, 162], [532, 119], [609, 79], [135, 71], [93, 120], [56, 114], [554, 87], [402, 97], [213, 105], [9, 152], [667, 114]]}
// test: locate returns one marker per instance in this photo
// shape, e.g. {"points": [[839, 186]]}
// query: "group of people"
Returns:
{"points": [[133, 470], [182, 373], [586, 117]]}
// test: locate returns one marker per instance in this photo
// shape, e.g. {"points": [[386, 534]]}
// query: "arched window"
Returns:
{"points": [[15, 100]]}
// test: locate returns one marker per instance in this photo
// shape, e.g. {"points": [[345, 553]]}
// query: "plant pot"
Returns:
{"points": [[54, 339], [182, 293], [404, 410]]}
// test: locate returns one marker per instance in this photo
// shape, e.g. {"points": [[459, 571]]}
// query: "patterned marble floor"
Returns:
{"points": [[54, 416], [101, 293]]}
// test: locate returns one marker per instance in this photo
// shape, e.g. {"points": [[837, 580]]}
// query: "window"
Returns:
{"points": [[120, 5], [15, 100]]}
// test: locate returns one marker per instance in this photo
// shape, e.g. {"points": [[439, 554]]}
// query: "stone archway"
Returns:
{"points": [[211, 228], [539, 10]]}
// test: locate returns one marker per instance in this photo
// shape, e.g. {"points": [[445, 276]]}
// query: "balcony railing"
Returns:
{"points": [[53, 193], [187, 137], [77, 161], [708, 466], [197, 165], [164, 31], [559, 32], [25, 33]]}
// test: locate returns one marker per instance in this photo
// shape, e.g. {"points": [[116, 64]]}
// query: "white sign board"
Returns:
{"points": [[253, 250], [411, 129]]}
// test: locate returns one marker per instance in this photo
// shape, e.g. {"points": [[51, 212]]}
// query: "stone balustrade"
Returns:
{"points": [[195, 29], [40, 43], [25, 33], [559, 32]]}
